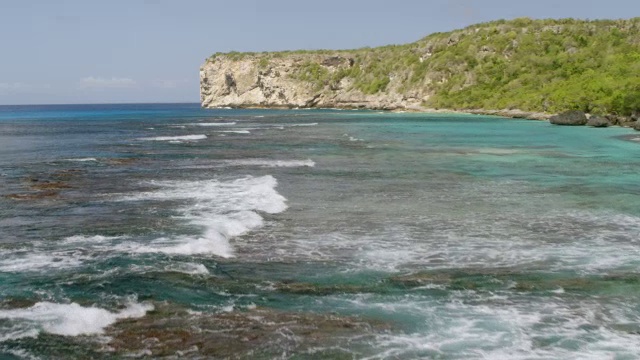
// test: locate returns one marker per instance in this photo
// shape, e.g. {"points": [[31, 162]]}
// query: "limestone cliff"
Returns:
{"points": [[288, 82]]}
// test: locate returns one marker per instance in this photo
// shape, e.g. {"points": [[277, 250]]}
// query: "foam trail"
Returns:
{"points": [[213, 124], [175, 138], [82, 159], [75, 239], [299, 124], [236, 131], [37, 261], [70, 252], [69, 319], [272, 163]]}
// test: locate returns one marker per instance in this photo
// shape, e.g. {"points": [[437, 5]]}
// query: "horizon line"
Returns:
{"points": [[106, 103]]}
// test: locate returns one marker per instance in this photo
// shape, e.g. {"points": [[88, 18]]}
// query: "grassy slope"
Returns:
{"points": [[532, 65]]}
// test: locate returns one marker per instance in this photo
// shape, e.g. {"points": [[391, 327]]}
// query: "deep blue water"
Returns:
{"points": [[167, 230]]}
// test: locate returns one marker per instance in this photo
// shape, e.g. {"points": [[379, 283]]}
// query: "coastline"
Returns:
{"points": [[615, 120], [506, 113]]}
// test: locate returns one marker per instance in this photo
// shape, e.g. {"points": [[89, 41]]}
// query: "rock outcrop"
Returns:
{"points": [[598, 121], [572, 118]]}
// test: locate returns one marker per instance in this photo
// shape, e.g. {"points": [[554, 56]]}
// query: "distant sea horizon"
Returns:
{"points": [[104, 103]]}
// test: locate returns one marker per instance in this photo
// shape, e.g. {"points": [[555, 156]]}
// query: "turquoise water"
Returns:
{"points": [[166, 231]]}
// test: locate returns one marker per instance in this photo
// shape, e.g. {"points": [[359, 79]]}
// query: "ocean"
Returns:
{"points": [[171, 231]]}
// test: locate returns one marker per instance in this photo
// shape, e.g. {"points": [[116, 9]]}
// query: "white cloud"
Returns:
{"points": [[100, 82]]}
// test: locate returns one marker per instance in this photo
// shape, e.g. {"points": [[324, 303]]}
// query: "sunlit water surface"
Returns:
{"points": [[172, 231]]}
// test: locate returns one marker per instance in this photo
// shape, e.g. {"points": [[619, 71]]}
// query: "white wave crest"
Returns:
{"points": [[213, 124], [68, 319], [224, 209], [175, 138], [82, 159], [236, 131]]}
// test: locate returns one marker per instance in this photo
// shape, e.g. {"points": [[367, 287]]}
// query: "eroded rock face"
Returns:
{"points": [[255, 81], [573, 118]]}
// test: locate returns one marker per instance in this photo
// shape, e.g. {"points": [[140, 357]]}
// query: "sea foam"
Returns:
{"points": [[236, 131], [483, 326], [213, 124], [188, 268], [82, 159], [40, 260], [175, 138], [272, 163], [68, 319], [223, 209], [296, 124]]}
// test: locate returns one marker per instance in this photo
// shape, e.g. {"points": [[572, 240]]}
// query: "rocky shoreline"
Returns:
{"points": [[508, 113], [568, 118]]}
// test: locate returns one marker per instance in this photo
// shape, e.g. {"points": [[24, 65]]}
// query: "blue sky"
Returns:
{"points": [[86, 51]]}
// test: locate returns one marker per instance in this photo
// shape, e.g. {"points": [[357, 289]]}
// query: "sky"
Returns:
{"points": [[124, 51]]}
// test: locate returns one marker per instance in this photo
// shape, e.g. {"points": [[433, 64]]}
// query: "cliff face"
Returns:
{"points": [[545, 66], [288, 82]]}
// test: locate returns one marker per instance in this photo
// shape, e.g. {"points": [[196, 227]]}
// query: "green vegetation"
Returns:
{"points": [[314, 73], [263, 63], [544, 66], [532, 65]]}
